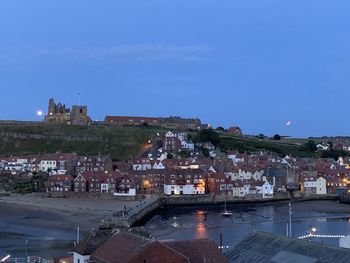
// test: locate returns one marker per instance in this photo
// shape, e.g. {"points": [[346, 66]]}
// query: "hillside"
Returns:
{"points": [[251, 144], [121, 142]]}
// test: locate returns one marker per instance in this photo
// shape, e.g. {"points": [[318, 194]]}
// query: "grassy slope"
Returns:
{"points": [[121, 143], [253, 144]]}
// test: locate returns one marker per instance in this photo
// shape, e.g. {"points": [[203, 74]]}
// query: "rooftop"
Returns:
{"points": [[261, 247]]}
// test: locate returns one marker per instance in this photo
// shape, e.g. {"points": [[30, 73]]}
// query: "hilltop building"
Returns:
{"points": [[59, 114], [171, 122]]}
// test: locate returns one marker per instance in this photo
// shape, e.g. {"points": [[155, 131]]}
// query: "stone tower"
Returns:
{"points": [[51, 108], [79, 115]]}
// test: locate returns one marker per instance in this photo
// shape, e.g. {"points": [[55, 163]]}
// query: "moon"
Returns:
{"points": [[289, 123], [39, 112]]}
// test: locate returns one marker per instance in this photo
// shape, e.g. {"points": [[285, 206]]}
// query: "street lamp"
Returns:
{"points": [[312, 230], [5, 258]]}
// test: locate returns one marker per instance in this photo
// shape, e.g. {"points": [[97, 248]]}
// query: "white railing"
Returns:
{"points": [[29, 259], [320, 236]]}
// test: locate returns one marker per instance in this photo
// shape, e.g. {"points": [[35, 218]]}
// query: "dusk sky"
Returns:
{"points": [[250, 63]]}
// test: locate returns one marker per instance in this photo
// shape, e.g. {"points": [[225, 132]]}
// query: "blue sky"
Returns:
{"points": [[251, 63]]}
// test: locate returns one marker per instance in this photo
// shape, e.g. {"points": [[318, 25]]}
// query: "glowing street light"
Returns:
{"points": [[312, 230]]}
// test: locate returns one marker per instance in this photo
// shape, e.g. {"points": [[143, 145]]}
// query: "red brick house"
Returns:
{"points": [[100, 182], [93, 164], [219, 184], [60, 183], [125, 184], [171, 142], [80, 184], [149, 180]]}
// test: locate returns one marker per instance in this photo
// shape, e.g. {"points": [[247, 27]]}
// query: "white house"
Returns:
{"points": [[77, 258], [142, 164], [322, 146], [170, 134], [46, 165], [240, 190], [315, 185], [187, 145], [236, 158], [158, 165], [184, 183], [182, 136], [264, 188]]}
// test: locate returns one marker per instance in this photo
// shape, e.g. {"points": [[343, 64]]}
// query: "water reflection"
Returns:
{"points": [[209, 223]]}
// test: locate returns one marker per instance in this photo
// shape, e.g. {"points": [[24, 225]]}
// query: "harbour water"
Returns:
{"points": [[51, 234], [207, 222]]}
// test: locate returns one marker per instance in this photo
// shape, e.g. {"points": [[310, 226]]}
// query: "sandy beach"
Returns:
{"points": [[50, 224], [36, 218]]}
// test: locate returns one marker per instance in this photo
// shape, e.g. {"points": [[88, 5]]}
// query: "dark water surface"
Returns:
{"points": [[207, 222], [52, 234], [40, 233]]}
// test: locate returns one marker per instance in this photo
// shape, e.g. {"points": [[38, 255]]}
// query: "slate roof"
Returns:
{"points": [[261, 247], [198, 250], [120, 247], [92, 241]]}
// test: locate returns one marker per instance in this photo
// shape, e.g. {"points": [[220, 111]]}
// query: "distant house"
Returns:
{"points": [[235, 157], [158, 165], [263, 188], [60, 162], [240, 189], [219, 184], [184, 182], [99, 182], [236, 131], [93, 164], [80, 184], [206, 145], [315, 185], [171, 142], [131, 121], [187, 145], [126, 186], [148, 181], [60, 183], [141, 164], [322, 147]]}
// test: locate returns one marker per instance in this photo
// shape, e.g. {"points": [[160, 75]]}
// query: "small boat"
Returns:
{"points": [[226, 212]]}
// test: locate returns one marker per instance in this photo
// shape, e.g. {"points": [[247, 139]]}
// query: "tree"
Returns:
{"points": [[276, 137], [261, 136], [330, 144], [333, 154], [311, 146], [220, 128], [205, 152], [208, 135], [184, 154]]}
